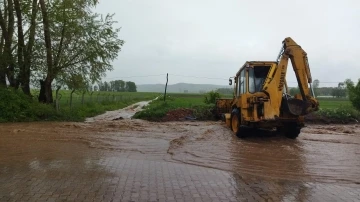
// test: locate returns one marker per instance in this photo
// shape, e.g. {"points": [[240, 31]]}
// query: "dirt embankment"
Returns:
{"points": [[321, 119], [188, 114]]}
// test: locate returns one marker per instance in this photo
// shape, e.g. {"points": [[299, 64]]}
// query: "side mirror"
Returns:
{"points": [[230, 82]]}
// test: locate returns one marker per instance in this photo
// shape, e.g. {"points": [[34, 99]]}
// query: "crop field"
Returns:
{"points": [[178, 100], [195, 99], [333, 103], [80, 98]]}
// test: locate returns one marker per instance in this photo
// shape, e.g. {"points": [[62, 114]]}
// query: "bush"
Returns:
{"points": [[354, 93], [15, 106], [155, 111], [211, 97], [204, 112]]}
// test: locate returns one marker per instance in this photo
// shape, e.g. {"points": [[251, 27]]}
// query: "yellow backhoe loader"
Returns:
{"points": [[261, 97]]}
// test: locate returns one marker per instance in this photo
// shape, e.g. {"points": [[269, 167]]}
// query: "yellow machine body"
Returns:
{"points": [[261, 98]]}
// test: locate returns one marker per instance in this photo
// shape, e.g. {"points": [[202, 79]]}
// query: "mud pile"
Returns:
{"points": [[178, 115], [314, 118]]}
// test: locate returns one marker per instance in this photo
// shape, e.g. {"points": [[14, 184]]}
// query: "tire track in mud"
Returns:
{"points": [[273, 157], [325, 153]]}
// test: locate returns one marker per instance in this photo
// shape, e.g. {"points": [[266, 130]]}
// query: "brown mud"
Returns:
{"points": [[321, 153]]}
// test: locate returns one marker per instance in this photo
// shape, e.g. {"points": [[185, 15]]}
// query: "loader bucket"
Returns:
{"points": [[295, 106], [222, 106]]}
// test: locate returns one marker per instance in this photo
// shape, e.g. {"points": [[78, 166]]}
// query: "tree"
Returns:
{"points": [[121, 85], [106, 86], [77, 41], [354, 93], [130, 86], [316, 84], [294, 91], [7, 23], [25, 49], [76, 82], [339, 91]]}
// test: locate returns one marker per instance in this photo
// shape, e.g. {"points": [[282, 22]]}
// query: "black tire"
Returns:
{"points": [[290, 131], [293, 132], [236, 124]]}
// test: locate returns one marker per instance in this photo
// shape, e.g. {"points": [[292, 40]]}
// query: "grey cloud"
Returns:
{"points": [[212, 38]]}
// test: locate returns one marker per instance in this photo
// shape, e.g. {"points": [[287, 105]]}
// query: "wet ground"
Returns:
{"points": [[133, 160]]}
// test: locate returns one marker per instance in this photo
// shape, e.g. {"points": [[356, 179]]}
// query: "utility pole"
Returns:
{"points": [[167, 79]]}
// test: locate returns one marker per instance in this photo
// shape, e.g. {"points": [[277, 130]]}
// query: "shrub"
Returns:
{"points": [[16, 106], [210, 97], [354, 93], [204, 112], [345, 113]]}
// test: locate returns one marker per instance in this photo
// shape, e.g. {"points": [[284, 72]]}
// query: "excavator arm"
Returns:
{"points": [[300, 65], [276, 78], [299, 61]]}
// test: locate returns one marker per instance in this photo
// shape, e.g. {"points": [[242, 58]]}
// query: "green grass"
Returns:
{"points": [[16, 107], [97, 97], [158, 108], [333, 103], [330, 108]]}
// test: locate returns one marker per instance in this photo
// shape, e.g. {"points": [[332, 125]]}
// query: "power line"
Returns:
{"points": [[202, 77], [198, 77], [125, 77]]}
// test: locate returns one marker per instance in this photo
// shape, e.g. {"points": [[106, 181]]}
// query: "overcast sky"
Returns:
{"points": [[213, 38]]}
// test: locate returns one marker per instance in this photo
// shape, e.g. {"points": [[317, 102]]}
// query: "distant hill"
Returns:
{"points": [[180, 88]]}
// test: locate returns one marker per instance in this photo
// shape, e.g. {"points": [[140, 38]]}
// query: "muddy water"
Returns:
{"points": [[125, 113], [321, 153], [331, 156]]}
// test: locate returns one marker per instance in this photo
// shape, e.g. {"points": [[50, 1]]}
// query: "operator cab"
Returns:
{"points": [[251, 77]]}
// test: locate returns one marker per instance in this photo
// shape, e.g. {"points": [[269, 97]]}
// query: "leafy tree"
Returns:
{"points": [[130, 86], [106, 86], [338, 92], [294, 91], [7, 22], [121, 85], [210, 97], [76, 40], [316, 84], [76, 82], [354, 93]]}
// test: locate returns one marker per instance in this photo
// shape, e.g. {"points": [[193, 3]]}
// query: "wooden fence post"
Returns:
{"points": [[167, 79]]}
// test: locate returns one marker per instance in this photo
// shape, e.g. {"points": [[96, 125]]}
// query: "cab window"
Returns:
{"points": [[242, 82], [251, 81]]}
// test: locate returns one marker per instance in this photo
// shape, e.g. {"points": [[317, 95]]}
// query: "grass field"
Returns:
{"points": [[331, 107], [333, 103], [196, 99], [98, 97], [91, 104], [16, 106]]}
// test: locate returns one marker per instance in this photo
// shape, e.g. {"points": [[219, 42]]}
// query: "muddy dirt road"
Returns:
{"points": [[133, 160]]}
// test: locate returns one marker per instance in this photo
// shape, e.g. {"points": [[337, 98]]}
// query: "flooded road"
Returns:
{"points": [[105, 159]]}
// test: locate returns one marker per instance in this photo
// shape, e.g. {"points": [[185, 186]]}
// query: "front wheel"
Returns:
{"points": [[235, 124]]}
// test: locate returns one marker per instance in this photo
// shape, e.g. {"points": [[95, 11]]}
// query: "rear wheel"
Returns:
{"points": [[235, 124], [291, 131]]}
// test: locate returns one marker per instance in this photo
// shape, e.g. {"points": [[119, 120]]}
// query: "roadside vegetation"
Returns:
{"points": [[15, 106], [63, 49], [158, 109], [332, 109]]}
